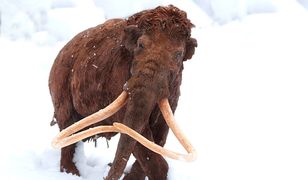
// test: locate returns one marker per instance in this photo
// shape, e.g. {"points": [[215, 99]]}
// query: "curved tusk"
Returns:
{"points": [[82, 135], [152, 146], [168, 115], [64, 138]]}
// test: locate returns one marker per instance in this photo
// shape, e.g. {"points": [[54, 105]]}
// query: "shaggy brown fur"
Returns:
{"points": [[146, 52]]}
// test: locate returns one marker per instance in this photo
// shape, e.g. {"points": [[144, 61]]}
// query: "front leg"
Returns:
{"points": [[136, 172], [152, 164], [125, 148]]}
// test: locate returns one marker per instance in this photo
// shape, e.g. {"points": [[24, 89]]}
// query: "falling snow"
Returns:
{"points": [[243, 98]]}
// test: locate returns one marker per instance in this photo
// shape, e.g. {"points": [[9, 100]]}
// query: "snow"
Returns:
{"points": [[226, 10], [244, 94]]}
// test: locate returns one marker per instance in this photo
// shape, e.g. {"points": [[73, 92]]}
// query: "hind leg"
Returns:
{"points": [[66, 162], [66, 118]]}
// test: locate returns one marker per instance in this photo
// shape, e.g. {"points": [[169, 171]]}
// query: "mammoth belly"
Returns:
{"points": [[90, 95], [93, 90]]}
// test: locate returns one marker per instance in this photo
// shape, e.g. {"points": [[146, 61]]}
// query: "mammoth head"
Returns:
{"points": [[160, 36]]}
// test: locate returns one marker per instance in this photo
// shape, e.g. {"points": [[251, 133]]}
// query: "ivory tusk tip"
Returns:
{"points": [[117, 125], [190, 157], [193, 155]]}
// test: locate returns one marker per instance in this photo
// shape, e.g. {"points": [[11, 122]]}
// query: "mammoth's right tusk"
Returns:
{"points": [[64, 138], [82, 135]]}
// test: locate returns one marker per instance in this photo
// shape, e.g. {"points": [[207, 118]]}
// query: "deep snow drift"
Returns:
{"points": [[244, 94]]}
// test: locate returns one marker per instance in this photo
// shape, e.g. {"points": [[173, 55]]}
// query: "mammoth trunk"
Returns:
{"points": [[139, 107], [146, 87]]}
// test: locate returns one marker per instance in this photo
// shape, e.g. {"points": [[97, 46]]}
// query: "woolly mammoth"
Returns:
{"points": [[135, 65]]}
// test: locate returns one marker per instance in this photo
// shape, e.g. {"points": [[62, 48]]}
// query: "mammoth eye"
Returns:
{"points": [[178, 55], [140, 45]]}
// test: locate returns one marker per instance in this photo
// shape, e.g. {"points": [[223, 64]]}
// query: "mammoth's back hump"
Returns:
{"points": [[91, 68]]}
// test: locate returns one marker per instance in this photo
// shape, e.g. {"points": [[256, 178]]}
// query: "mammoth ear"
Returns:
{"points": [[191, 43], [131, 35]]}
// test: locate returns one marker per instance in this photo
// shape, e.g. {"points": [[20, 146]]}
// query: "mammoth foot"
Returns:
{"points": [[136, 173], [66, 163], [71, 169], [134, 176]]}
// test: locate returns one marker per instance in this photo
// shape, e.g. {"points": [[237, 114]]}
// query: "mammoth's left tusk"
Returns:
{"points": [[169, 118], [82, 135]]}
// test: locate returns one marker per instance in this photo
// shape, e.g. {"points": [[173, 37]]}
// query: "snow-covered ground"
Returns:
{"points": [[244, 102]]}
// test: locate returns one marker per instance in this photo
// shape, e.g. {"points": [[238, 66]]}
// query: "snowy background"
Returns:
{"points": [[244, 102]]}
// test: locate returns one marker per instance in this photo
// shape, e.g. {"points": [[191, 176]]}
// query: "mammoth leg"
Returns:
{"points": [[158, 133], [124, 150], [152, 164], [160, 129], [136, 172], [66, 163], [66, 118]]}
